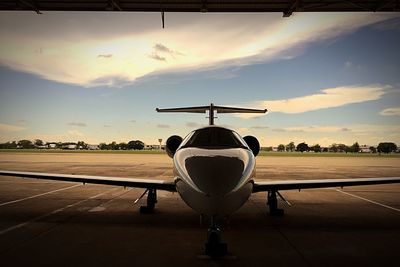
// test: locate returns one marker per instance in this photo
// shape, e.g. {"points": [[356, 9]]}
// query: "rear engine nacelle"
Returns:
{"points": [[172, 144], [253, 143]]}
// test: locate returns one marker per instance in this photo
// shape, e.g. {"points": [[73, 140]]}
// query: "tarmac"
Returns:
{"points": [[45, 223]]}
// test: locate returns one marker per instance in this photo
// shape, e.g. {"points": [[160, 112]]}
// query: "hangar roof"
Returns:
{"points": [[287, 7]]}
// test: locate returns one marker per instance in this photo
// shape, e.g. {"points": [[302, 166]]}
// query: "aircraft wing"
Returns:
{"points": [[88, 179], [320, 183]]}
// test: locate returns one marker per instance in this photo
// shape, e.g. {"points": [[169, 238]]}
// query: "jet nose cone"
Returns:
{"points": [[215, 175]]}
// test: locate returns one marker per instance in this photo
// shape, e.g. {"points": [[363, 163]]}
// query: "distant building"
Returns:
{"points": [[153, 147], [93, 147], [51, 145], [70, 146], [365, 149]]}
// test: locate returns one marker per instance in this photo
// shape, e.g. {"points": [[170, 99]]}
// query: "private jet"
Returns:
{"points": [[214, 174]]}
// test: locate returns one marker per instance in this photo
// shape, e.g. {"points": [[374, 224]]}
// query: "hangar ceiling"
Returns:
{"points": [[287, 7]]}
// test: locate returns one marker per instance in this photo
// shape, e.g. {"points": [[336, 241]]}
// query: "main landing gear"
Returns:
{"points": [[272, 203], [214, 247], [151, 201]]}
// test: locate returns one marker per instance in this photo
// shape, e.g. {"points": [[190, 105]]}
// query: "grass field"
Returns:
{"points": [[262, 153]]}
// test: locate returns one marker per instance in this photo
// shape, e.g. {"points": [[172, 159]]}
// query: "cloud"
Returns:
{"points": [[163, 49], [326, 98], [220, 74], [259, 127], [132, 121], [348, 65], [10, 128], [69, 136], [392, 24], [105, 56], [340, 129], [78, 124], [318, 129], [390, 112], [139, 47], [279, 130], [157, 57], [111, 81], [106, 126], [163, 126]]}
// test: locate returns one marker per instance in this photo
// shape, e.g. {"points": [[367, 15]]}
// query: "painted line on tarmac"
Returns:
{"points": [[373, 191], [39, 195], [368, 200], [30, 182], [2, 232], [102, 207]]}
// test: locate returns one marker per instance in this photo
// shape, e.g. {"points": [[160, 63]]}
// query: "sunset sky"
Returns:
{"points": [[98, 77]]}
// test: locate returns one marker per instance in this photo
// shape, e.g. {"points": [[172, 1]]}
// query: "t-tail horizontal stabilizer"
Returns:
{"points": [[211, 109]]}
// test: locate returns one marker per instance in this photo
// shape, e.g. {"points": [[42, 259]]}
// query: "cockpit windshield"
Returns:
{"points": [[214, 138]]}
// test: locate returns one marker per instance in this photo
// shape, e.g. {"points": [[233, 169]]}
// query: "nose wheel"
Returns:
{"points": [[214, 247]]}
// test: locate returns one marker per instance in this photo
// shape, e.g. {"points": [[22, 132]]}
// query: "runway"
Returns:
{"points": [[68, 224]]}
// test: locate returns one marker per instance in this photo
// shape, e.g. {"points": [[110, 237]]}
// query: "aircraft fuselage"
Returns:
{"points": [[214, 182]]}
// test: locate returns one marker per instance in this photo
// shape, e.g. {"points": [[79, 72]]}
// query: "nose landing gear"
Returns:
{"points": [[214, 247]]}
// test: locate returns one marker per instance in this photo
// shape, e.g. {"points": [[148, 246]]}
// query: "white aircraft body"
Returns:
{"points": [[214, 173]]}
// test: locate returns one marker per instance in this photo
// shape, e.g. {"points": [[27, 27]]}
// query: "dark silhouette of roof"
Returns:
{"points": [[287, 7]]}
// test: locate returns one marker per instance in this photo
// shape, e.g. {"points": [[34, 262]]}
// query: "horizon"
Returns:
{"points": [[163, 145]]}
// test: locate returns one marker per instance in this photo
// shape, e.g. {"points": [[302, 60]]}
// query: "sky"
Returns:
{"points": [[98, 77]]}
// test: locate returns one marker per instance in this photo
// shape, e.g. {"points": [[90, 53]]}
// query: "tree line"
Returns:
{"points": [[135, 145], [40, 144], [384, 147]]}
